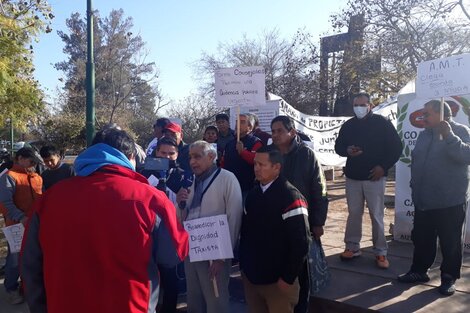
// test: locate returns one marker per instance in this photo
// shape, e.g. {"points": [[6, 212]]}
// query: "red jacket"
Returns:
{"points": [[97, 239]]}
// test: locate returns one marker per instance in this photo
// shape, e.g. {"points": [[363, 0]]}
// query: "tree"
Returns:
{"points": [[126, 89], [404, 33], [196, 112], [21, 22], [290, 66]]}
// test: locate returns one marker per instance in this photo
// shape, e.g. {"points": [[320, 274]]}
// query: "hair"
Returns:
{"points": [[117, 139], [286, 121], [436, 107], [222, 116], [211, 127], [28, 153], [255, 117], [161, 122], [48, 151], [249, 118], [166, 141], [207, 148], [275, 156], [362, 94]]}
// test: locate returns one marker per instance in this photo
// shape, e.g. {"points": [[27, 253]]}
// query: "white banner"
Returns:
{"points": [[240, 86], [409, 125], [209, 238], [443, 77]]}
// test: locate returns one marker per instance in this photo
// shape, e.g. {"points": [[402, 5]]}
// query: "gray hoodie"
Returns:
{"points": [[440, 168]]}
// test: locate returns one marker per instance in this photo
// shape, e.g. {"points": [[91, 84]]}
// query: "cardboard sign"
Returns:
{"points": [[209, 238], [443, 77], [240, 86]]}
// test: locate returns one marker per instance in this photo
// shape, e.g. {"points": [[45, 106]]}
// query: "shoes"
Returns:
{"points": [[447, 287], [382, 262], [14, 297], [413, 277], [349, 254]]}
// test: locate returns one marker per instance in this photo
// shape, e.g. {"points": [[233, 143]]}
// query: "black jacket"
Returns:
{"points": [[377, 138], [302, 169], [274, 236]]}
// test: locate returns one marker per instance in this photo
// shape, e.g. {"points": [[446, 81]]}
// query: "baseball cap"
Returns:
{"points": [[173, 127]]}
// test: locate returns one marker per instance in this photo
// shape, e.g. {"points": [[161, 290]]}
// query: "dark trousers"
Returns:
{"points": [[169, 283], [446, 224], [304, 293]]}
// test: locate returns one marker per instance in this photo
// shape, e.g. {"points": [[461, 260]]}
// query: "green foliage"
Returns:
{"points": [[126, 92], [21, 22]]}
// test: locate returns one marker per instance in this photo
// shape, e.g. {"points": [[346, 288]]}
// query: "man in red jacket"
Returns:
{"points": [[94, 241]]}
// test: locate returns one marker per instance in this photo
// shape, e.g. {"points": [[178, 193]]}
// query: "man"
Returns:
{"points": [[372, 146], [274, 238], [215, 191], [19, 188], [94, 240], [302, 169], [170, 181], [440, 192], [239, 155], [257, 132], [158, 133], [226, 134], [56, 170], [173, 130]]}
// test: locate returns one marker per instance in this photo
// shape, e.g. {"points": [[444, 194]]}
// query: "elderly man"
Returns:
{"points": [[215, 191], [94, 240], [440, 192], [274, 238], [239, 155]]}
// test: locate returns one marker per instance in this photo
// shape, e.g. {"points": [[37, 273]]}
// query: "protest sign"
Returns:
{"points": [[14, 235], [209, 238], [240, 86], [443, 77]]}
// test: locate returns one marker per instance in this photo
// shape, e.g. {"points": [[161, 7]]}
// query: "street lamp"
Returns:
{"points": [[10, 120]]}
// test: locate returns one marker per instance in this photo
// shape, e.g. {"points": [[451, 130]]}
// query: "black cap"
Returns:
{"points": [[222, 116]]}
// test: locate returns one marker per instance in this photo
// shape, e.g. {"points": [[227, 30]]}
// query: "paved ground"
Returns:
{"points": [[357, 286]]}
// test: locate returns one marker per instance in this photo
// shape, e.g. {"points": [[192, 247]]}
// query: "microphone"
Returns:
{"points": [[186, 182]]}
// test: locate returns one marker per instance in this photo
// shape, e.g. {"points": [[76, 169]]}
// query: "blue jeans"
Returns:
{"points": [[12, 271]]}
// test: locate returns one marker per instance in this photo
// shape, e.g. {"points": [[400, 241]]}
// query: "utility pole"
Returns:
{"points": [[90, 78]]}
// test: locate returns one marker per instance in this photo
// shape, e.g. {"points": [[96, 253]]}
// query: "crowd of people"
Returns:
{"points": [[106, 235]]}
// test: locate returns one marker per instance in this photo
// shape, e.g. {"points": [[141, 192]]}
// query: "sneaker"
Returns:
{"points": [[382, 262], [14, 297], [349, 254], [413, 277], [447, 287]]}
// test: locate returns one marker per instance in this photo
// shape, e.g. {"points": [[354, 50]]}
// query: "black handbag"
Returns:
{"points": [[319, 273]]}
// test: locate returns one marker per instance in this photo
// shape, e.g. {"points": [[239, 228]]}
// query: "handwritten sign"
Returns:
{"points": [[209, 238], [14, 235], [443, 77], [240, 86]]}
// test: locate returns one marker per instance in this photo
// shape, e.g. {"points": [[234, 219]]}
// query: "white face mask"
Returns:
{"points": [[360, 111]]}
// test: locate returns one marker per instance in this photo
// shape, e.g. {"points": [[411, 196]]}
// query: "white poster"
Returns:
{"points": [[240, 86], [209, 238], [14, 235], [265, 114], [409, 125], [443, 77]]}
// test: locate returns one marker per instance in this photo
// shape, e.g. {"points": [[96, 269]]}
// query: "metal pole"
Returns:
{"points": [[90, 78], [12, 138]]}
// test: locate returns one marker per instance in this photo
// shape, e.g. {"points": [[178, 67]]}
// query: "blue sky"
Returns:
{"points": [[178, 31]]}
